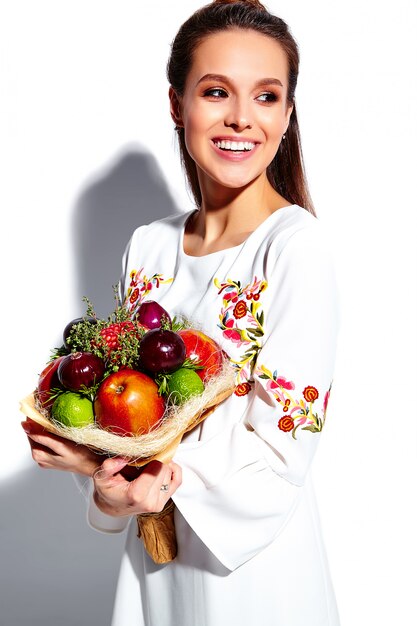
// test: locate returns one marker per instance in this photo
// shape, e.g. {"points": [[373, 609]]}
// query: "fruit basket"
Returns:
{"points": [[159, 443], [132, 387]]}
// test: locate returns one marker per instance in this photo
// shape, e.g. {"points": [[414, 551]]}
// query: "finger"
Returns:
{"points": [[172, 481], [150, 475], [56, 445], [165, 480], [145, 491], [33, 428], [154, 475], [174, 466], [38, 446], [109, 469], [161, 489], [42, 456], [29, 426], [176, 476], [131, 472], [153, 468]]}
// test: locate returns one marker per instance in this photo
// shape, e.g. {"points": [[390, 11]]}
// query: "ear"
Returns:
{"points": [[288, 116], [175, 108]]}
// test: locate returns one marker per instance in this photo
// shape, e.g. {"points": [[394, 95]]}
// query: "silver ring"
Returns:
{"points": [[164, 487]]}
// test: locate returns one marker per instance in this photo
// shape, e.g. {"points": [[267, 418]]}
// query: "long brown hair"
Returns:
{"points": [[286, 172]]}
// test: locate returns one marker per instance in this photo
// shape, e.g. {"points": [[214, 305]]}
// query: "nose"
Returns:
{"points": [[239, 115]]}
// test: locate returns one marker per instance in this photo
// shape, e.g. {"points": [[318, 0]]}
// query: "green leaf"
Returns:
{"points": [[162, 382], [312, 428], [256, 332], [54, 393], [89, 392], [165, 322], [249, 353], [293, 431], [192, 364], [178, 324], [57, 352]]}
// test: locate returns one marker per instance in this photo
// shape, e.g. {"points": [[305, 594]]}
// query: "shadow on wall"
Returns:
{"points": [[54, 569], [131, 192]]}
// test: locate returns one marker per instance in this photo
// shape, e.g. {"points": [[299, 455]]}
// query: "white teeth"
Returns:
{"points": [[236, 146]]}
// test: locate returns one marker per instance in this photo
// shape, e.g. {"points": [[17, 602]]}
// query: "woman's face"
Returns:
{"points": [[234, 109]]}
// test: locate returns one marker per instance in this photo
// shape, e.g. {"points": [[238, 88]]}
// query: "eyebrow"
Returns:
{"points": [[224, 79]]}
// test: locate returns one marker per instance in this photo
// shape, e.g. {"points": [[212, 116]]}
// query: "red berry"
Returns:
{"points": [[110, 336], [112, 333]]}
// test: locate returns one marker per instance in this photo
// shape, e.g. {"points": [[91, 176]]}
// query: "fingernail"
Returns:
{"points": [[26, 427]]}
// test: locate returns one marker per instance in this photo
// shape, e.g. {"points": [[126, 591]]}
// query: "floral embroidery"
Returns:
{"points": [[286, 424], [310, 394], [242, 322], [296, 412], [240, 310], [242, 389], [326, 400], [140, 286]]}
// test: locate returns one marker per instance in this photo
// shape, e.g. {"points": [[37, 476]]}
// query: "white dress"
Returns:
{"points": [[250, 550]]}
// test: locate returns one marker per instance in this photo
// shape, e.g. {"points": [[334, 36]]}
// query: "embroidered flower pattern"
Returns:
{"points": [[286, 424], [241, 320], [310, 394], [240, 310], [140, 287], [296, 413], [242, 389]]}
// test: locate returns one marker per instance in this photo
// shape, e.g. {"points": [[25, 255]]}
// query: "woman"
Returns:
{"points": [[249, 265]]}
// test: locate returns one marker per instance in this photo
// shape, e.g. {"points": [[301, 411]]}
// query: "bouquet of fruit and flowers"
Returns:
{"points": [[132, 387]]}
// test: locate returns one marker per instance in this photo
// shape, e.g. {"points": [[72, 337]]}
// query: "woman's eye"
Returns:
{"points": [[267, 97], [216, 92]]}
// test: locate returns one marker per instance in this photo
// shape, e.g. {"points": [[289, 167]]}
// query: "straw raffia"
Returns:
{"points": [[161, 442]]}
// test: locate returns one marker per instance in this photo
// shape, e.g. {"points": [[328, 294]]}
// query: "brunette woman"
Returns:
{"points": [[251, 265]]}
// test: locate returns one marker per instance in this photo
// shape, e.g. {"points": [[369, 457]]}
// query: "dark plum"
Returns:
{"points": [[152, 315], [80, 369], [74, 322], [161, 351]]}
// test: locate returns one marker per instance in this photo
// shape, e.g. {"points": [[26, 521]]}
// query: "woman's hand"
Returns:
{"points": [[115, 493], [53, 452], [148, 493]]}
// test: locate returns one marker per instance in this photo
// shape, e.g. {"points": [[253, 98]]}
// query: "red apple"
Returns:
{"points": [[204, 351], [48, 380], [127, 403]]}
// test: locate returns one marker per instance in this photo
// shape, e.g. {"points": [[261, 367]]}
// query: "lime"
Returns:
{"points": [[73, 410], [184, 383]]}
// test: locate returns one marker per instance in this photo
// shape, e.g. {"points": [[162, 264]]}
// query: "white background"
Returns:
{"points": [[86, 140]]}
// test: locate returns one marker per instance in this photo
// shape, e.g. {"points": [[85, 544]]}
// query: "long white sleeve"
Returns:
{"points": [[240, 487], [96, 519]]}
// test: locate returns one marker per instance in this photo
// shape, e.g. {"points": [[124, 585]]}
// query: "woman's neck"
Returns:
{"points": [[228, 216]]}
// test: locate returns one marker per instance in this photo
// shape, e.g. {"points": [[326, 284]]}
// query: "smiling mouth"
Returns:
{"points": [[235, 146]]}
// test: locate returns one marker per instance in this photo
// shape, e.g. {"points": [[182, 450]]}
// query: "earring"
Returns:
{"points": [[283, 136], [177, 128]]}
